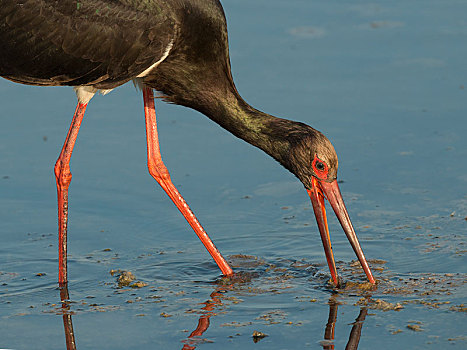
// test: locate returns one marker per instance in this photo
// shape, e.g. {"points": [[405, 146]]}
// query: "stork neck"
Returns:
{"points": [[255, 127]]}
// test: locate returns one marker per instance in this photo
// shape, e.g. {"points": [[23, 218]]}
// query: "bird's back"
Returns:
{"points": [[103, 43]]}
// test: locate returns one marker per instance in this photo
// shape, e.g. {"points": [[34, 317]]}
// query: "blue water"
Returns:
{"points": [[386, 82]]}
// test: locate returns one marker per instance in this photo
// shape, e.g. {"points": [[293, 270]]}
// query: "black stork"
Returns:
{"points": [[180, 49]]}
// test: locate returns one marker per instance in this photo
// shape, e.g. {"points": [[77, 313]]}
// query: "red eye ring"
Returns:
{"points": [[320, 168]]}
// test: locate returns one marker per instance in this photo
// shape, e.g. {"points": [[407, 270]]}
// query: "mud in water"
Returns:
{"points": [[383, 81]]}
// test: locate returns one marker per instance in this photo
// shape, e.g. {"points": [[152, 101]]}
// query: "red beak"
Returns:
{"points": [[331, 191]]}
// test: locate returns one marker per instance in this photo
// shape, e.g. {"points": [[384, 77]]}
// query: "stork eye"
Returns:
{"points": [[320, 166]]}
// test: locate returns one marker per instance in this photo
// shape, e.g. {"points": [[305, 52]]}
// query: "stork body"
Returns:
{"points": [[178, 48]]}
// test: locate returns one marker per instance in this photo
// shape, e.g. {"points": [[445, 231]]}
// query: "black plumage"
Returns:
{"points": [[106, 43], [65, 42], [177, 47]]}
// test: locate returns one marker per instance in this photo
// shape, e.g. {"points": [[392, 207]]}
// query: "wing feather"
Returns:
{"points": [[66, 42]]}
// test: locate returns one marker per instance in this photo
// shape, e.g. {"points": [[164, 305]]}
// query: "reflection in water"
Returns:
{"points": [[208, 310], [355, 333], [67, 322], [215, 302], [330, 326]]}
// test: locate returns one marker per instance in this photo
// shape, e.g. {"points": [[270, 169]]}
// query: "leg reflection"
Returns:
{"points": [[208, 310], [67, 322]]}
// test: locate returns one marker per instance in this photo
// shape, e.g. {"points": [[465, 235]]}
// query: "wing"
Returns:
{"points": [[103, 43]]}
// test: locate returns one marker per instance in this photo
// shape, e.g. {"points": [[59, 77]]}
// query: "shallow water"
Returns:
{"points": [[385, 82]]}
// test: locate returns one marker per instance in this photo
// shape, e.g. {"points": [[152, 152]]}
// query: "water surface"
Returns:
{"points": [[385, 82]]}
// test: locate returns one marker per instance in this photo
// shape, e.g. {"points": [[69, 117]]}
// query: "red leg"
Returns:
{"points": [[63, 178], [160, 173]]}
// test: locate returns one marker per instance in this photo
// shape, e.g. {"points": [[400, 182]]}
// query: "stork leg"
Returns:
{"points": [[160, 173], [63, 178]]}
